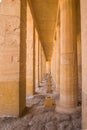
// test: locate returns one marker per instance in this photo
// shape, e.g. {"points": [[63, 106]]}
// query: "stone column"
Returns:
{"points": [[79, 52], [48, 67], [44, 65], [53, 63], [79, 56], [41, 64], [48, 70], [12, 57], [58, 59], [33, 59], [30, 74], [68, 52], [84, 61], [36, 59], [39, 61]]}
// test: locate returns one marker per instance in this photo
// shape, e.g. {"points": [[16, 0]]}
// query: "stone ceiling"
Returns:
{"points": [[45, 15]]}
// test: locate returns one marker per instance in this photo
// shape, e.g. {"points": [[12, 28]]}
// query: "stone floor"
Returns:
{"points": [[39, 117]]}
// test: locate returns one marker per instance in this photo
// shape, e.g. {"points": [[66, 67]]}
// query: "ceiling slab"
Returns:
{"points": [[45, 12]]}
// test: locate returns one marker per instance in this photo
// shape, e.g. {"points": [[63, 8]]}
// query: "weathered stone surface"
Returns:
{"points": [[68, 54], [30, 54], [84, 60], [12, 57]]}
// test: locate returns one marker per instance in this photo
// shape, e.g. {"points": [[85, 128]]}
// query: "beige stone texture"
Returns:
{"points": [[58, 59], [84, 61], [22, 54], [49, 85], [40, 66], [46, 21], [48, 67], [48, 102], [36, 60], [43, 64], [68, 53], [30, 54], [9, 101], [79, 58], [55, 62], [79, 51], [12, 57]]}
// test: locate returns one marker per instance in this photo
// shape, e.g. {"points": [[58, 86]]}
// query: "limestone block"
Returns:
{"points": [[48, 102]]}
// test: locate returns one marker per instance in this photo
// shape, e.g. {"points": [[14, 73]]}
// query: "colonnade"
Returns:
{"points": [[67, 56], [36, 60], [29, 65], [23, 63], [22, 59]]}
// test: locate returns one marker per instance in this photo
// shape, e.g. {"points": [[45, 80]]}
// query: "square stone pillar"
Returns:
{"points": [[36, 60], [43, 64], [12, 57], [57, 57], [40, 69], [48, 67], [79, 52], [84, 61], [53, 64], [30, 75]]}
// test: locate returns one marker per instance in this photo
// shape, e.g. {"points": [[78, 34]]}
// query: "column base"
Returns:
{"points": [[67, 110], [48, 101]]}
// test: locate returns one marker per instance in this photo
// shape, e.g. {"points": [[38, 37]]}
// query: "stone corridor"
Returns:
{"points": [[43, 64]]}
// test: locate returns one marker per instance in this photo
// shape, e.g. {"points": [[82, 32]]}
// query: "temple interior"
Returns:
{"points": [[43, 64]]}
